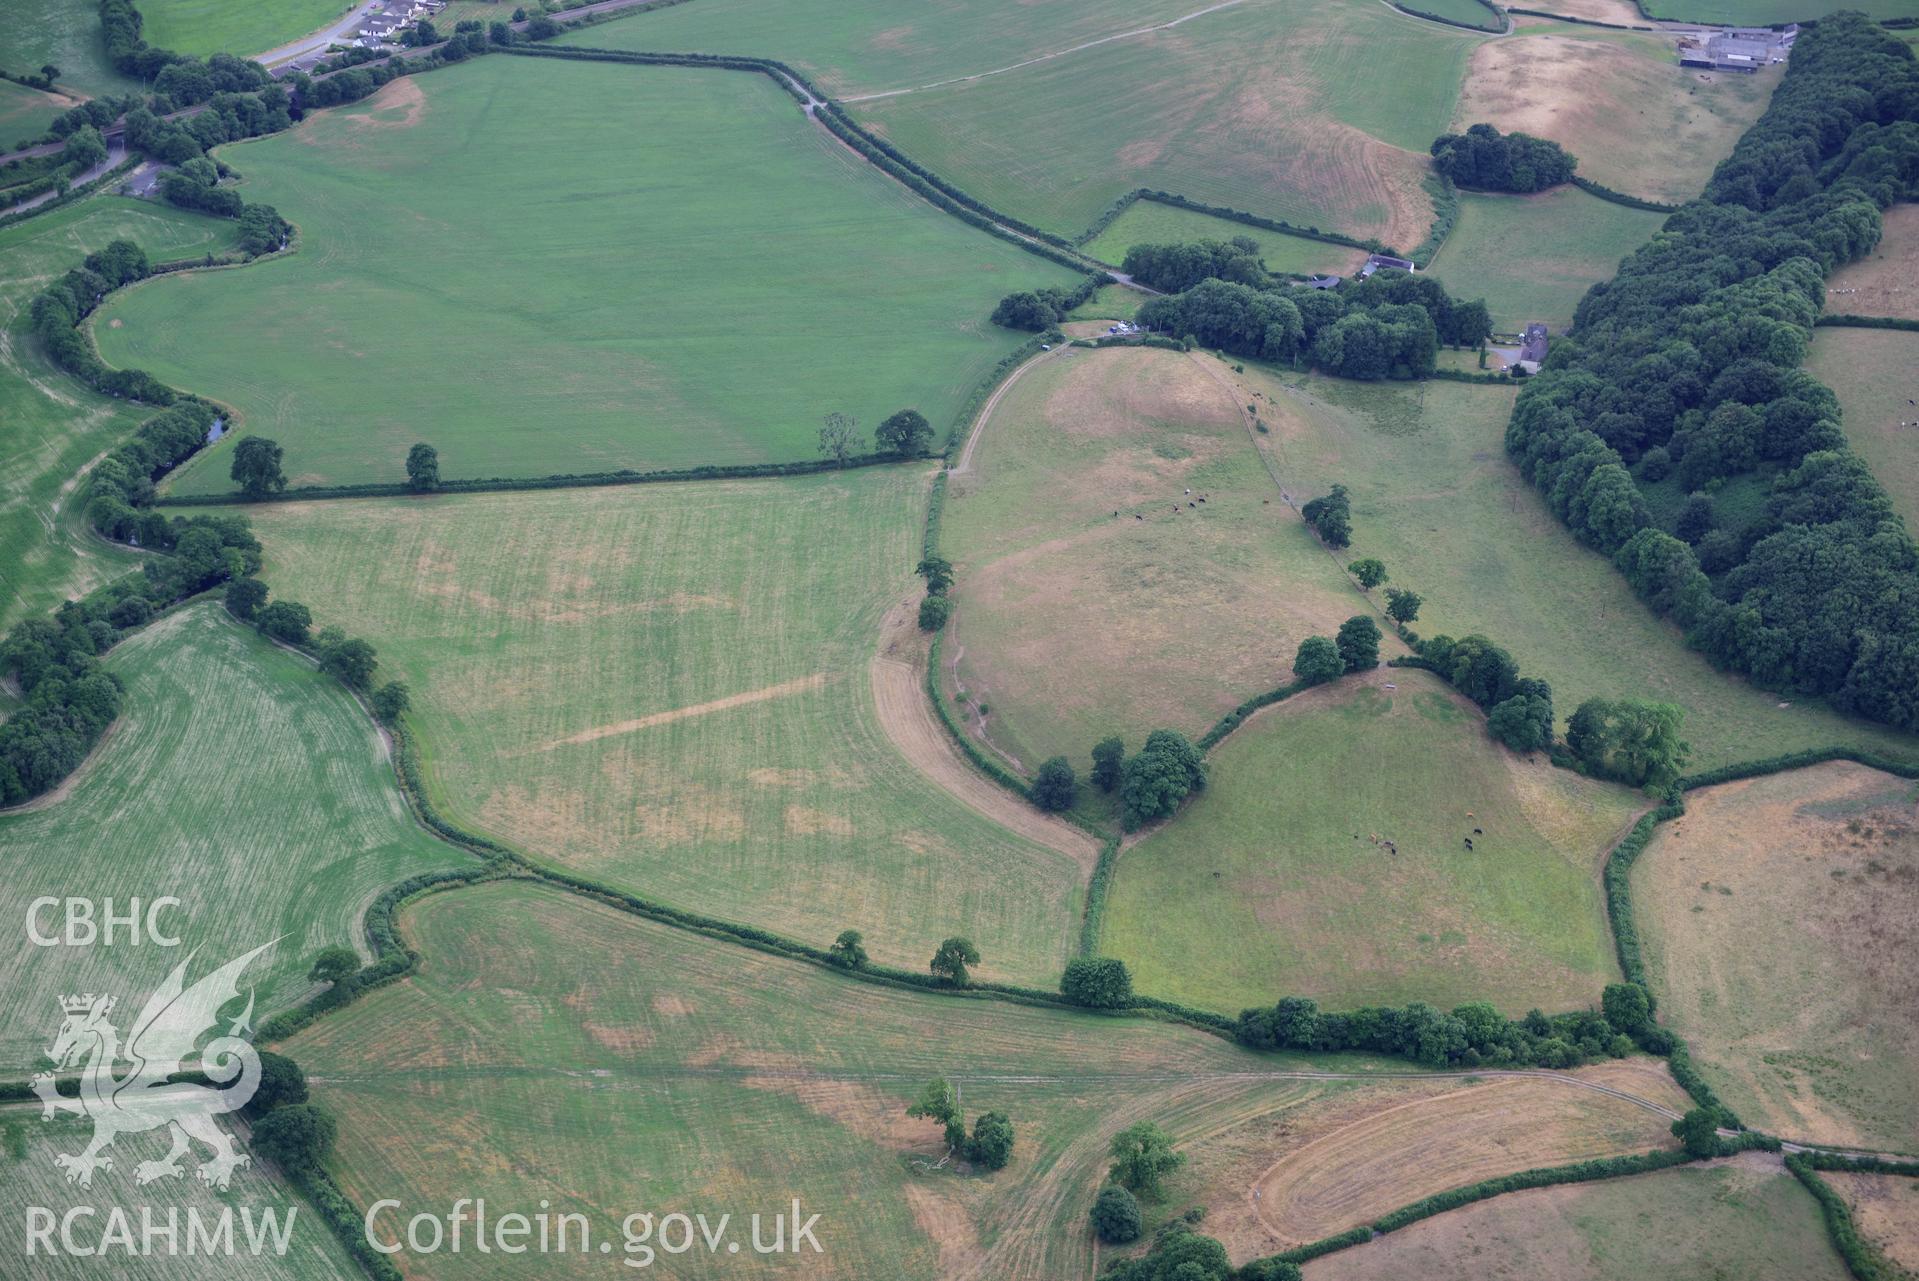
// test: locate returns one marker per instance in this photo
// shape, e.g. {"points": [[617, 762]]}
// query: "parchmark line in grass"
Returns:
{"points": [[1048, 57], [672, 1071], [781, 690]]}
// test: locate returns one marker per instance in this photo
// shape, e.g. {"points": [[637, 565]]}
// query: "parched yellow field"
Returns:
{"points": [[666, 687], [1745, 1218], [1886, 281], [1113, 518], [1778, 916], [1885, 1209], [1284, 1178], [676, 1072], [1620, 102]]}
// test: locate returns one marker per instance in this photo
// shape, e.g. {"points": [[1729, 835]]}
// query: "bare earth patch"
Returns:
{"points": [[1779, 915], [906, 714]]}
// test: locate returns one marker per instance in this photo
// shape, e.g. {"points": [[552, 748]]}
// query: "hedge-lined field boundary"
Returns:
{"points": [[511, 484], [1619, 864], [1618, 1167], [1604, 192], [883, 155], [1862, 1259], [1845, 320], [1500, 29], [1175, 201]]}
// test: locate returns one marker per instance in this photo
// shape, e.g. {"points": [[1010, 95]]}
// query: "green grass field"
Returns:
{"points": [[872, 46], [1185, 610], [737, 275], [1761, 12], [1743, 1220], [313, 1253], [1149, 222], [51, 428], [1435, 498], [1769, 914], [704, 1077], [1532, 258], [1470, 12], [1871, 371], [667, 688], [240, 781], [239, 27], [25, 113], [1320, 115], [65, 33], [1278, 855]]}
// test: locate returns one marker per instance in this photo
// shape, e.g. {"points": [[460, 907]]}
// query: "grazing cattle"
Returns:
{"points": [[1469, 842]]}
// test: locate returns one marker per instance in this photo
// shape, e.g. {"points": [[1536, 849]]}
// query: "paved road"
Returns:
{"points": [[116, 152], [338, 32], [118, 128]]}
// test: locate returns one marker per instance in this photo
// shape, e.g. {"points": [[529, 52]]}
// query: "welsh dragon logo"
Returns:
{"points": [[142, 1098]]}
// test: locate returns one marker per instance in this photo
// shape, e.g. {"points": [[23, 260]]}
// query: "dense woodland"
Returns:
{"points": [[1688, 362], [1483, 159]]}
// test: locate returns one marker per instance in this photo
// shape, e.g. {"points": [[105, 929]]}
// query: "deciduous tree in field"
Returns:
{"points": [[950, 961], [934, 611], [348, 659], [285, 621], [1358, 643], [256, 467], [991, 1146], [838, 434], [331, 964], [1098, 982], [905, 434], [1116, 1215], [423, 468], [849, 950], [1055, 787], [1632, 741], [939, 1103], [282, 1084], [391, 700], [1370, 572], [298, 1136], [1143, 1156], [938, 573], [1402, 606], [1166, 771], [1109, 758], [244, 597], [1331, 517], [1318, 661], [1698, 1132]]}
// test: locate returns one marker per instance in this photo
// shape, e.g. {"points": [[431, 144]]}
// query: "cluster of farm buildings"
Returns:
{"points": [[1743, 49]]}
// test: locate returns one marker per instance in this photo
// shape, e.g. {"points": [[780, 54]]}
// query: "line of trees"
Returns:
{"points": [[1472, 1035], [1689, 358], [57, 310], [1390, 325], [55, 663], [1483, 159]]}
